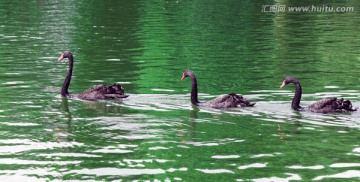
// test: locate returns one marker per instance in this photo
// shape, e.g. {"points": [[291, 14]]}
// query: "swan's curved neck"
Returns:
{"points": [[297, 97], [65, 87], [194, 91]]}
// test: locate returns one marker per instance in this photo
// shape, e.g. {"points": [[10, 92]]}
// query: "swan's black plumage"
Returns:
{"points": [[327, 105], [222, 102], [97, 92]]}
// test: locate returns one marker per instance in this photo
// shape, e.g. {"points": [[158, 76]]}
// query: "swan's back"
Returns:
{"points": [[101, 92], [228, 101], [331, 104]]}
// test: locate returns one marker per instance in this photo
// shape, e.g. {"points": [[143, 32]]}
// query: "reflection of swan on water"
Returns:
{"points": [[61, 132], [105, 107], [189, 131]]}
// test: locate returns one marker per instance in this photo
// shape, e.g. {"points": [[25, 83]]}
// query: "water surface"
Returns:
{"points": [[156, 134]]}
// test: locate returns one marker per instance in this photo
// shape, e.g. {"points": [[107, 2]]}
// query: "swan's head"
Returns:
{"points": [[288, 80], [187, 73], [65, 54]]}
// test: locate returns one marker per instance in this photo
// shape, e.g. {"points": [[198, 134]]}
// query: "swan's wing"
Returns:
{"points": [[106, 89], [240, 101], [331, 104], [229, 100], [218, 102], [95, 88], [323, 103], [91, 95], [100, 92]]}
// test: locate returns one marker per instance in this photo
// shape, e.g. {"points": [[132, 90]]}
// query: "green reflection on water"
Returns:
{"points": [[155, 133]]}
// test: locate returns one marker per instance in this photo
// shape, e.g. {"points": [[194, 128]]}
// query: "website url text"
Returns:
{"points": [[305, 9]]}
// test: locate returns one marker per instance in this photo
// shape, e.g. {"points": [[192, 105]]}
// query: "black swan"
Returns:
{"points": [[222, 102], [327, 105], [97, 92]]}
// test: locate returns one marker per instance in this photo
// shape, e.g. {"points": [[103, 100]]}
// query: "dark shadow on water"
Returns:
{"points": [[187, 132], [296, 118], [194, 112], [104, 106], [62, 131], [65, 108], [95, 107]]}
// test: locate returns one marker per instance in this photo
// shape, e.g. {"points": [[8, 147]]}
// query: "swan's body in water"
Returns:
{"points": [[327, 105], [222, 102], [97, 92]]}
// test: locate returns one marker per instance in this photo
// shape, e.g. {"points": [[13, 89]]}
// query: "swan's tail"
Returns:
{"points": [[345, 105], [241, 101]]}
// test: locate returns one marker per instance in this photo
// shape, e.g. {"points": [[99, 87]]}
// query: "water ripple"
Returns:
{"points": [[68, 155], [123, 171], [225, 156], [255, 165], [291, 177], [30, 162], [28, 145], [344, 175], [215, 171], [306, 167]]}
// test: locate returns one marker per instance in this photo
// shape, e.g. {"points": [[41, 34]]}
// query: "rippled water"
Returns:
{"points": [[156, 134]]}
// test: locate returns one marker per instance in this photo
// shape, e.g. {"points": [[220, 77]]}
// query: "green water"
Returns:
{"points": [[156, 134]]}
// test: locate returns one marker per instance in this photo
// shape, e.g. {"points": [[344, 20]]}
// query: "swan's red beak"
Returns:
{"points": [[183, 77], [61, 57], [283, 84]]}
